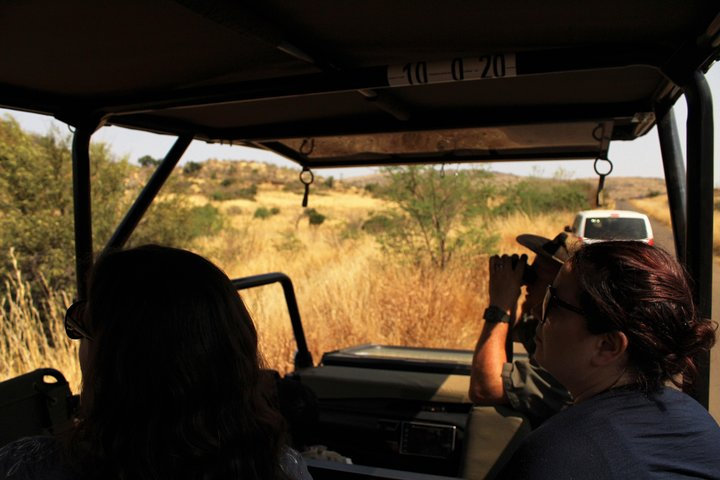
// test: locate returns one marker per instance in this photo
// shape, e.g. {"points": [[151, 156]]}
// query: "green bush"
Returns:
{"points": [[205, 221], [172, 221], [538, 195], [296, 187], [192, 167], [247, 193], [147, 161], [314, 217], [167, 222], [475, 241], [380, 223], [264, 212], [435, 209], [36, 206]]}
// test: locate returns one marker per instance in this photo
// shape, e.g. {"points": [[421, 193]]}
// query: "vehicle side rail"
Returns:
{"points": [[35, 403], [303, 357], [325, 469]]}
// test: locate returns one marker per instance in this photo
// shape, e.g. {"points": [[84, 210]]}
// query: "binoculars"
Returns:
{"points": [[529, 275]]}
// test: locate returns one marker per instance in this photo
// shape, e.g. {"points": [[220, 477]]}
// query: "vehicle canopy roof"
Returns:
{"points": [[328, 84], [412, 81], [611, 213]]}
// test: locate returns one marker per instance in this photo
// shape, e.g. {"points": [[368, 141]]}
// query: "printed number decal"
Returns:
{"points": [[493, 66], [455, 70], [416, 73], [499, 65]]}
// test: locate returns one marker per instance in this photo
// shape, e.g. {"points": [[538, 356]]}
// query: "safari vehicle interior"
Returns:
{"points": [[326, 84]]}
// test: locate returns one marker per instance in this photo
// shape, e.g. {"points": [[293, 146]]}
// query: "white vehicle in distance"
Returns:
{"points": [[592, 226]]}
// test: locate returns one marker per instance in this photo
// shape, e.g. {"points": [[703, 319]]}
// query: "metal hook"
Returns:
{"points": [[599, 196], [307, 146], [597, 137], [306, 180]]}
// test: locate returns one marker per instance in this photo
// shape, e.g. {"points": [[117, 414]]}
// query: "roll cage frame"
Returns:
{"points": [[690, 198], [321, 77]]}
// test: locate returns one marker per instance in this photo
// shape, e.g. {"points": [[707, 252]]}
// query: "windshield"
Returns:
{"points": [[615, 228]]}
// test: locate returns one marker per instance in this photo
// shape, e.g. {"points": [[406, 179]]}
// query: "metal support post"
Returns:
{"points": [[700, 209], [674, 166], [153, 186], [82, 204]]}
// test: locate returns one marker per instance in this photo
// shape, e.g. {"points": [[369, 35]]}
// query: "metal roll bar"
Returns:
{"points": [[303, 357]]}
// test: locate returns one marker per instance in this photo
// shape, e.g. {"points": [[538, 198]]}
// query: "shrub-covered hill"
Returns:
{"points": [[220, 180]]}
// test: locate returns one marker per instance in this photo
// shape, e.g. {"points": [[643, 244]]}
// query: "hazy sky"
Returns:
{"points": [[638, 158]]}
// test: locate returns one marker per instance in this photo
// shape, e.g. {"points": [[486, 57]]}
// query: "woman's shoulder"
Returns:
{"points": [[625, 413], [665, 402], [31, 458]]}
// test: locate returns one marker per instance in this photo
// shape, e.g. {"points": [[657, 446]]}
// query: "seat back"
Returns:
{"points": [[36, 403], [493, 434]]}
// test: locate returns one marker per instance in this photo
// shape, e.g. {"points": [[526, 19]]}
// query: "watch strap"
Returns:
{"points": [[495, 314]]}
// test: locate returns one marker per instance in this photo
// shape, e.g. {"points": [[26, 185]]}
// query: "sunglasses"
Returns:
{"points": [[74, 321], [551, 299]]}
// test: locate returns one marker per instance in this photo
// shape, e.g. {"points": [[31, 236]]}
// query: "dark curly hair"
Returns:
{"points": [[644, 292], [173, 387]]}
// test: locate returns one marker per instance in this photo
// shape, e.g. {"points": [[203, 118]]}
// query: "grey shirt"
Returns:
{"points": [[532, 391]]}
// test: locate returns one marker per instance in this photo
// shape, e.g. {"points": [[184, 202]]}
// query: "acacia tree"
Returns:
{"points": [[437, 207], [147, 161]]}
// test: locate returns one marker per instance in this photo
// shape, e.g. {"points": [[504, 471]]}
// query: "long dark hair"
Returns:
{"points": [[644, 292], [173, 387]]}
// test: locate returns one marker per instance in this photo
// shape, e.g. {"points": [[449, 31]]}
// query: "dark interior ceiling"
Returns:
{"points": [[367, 83]]}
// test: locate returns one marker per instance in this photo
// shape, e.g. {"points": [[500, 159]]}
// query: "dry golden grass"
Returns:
{"points": [[349, 292], [26, 343], [657, 208], [547, 225]]}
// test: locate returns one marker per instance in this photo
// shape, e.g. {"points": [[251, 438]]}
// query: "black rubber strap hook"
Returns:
{"points": [[599, 197], [306, 178]]}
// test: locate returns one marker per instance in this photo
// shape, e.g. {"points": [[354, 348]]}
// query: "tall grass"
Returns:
{"points": [[657, 208], [349, 291], [32, 334]]}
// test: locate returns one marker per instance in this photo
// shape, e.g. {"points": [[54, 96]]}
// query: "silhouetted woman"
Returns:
{"points": [[619, 323], [172, 386]]}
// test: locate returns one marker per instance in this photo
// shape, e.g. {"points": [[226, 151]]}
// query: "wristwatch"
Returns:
{"points": [[495, 314]]}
